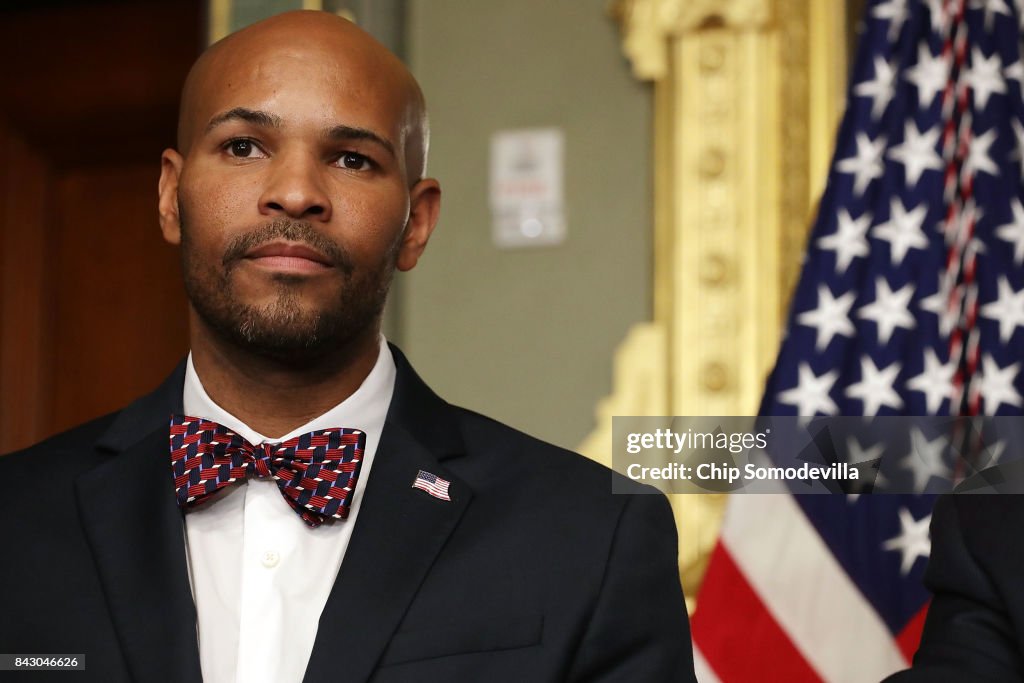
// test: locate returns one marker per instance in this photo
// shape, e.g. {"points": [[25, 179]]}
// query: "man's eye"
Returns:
{"points": [[353, 161], [242, 149]]}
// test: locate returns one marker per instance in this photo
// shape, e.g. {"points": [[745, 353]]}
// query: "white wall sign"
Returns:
{"points": [[526, 187]]}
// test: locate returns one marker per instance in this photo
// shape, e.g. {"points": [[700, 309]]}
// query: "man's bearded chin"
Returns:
{"points": [[284, 330]]}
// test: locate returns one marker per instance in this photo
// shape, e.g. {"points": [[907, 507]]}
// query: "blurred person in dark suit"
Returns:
{"points": [[975, 625], [294, 503]]}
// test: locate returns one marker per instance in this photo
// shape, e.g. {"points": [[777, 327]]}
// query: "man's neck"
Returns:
{"points": [[272, 397]]}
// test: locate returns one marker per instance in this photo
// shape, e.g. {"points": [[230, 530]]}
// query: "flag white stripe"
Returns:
{"points": [[788, 552], [705, 674]]}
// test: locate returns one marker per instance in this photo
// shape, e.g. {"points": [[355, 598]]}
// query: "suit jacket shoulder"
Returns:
{"points": [[597, 571], [975, 625], [499, 447]]}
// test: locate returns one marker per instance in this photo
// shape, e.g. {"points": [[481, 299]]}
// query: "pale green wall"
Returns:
{"points": [[527, 336]]}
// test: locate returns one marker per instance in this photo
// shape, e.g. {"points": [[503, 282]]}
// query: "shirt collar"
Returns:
{"points": [[365, 409]]}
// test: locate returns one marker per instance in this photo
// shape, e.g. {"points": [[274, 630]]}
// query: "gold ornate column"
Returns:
{"points": [[747, 94]]}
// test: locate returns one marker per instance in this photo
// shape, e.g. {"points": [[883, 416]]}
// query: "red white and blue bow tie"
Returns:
{"points": [[316, 472]]}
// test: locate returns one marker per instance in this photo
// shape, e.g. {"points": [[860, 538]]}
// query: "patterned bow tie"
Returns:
{"points": [[316, 472]]}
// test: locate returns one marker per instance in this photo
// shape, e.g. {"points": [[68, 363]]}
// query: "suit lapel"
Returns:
{"points": [[399, 533], [134, 529]]}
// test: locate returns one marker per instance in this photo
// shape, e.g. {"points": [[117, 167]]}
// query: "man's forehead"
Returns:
{"points": [[309, 32], [318, 58], [301, 77]]}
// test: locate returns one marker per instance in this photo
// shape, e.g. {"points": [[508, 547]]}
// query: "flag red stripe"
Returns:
{"points": [[738, 635], [909, 638]]}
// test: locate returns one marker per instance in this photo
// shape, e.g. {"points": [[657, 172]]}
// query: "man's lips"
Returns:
{"points": [[287, 256]]}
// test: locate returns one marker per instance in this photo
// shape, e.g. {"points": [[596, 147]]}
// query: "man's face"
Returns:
{"points": [[292, 200]]}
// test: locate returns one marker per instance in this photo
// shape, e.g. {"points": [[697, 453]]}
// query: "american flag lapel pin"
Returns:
{"points": [[432, 484]]}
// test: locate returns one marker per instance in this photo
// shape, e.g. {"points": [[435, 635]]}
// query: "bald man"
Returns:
{"points": [[294, 503]]}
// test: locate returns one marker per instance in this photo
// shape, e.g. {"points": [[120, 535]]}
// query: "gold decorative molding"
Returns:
{"points": [[813, 60], [722, 223], [649, 25], [746, 99], [218, 20]]}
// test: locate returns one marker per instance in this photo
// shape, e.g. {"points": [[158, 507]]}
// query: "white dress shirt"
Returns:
{"points": [[260, 576]]}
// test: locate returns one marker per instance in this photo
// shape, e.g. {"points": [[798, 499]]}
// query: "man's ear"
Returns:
{"points": [[171, 164], [424, 209]]}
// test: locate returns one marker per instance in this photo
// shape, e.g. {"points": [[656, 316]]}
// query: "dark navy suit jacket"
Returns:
{"points": [[975, 626], [534, 572]]}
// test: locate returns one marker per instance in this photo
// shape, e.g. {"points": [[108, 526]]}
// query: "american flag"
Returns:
{"points": [[909, 303], [432, 484]]}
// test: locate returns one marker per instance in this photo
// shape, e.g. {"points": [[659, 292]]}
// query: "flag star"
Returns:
{"points": [[985, 77], [903, 230], [894, 11], [858, 454], [866, 462], [917, 152], [1014, 232], [930, 75], [913, 540], [977, 154], [992, 454], [975, 246], [938, 303], [992, 8], [849, 240], [831, 317], [1018, 152], [937, 13], [811, 393], [866, 164], [881, 89], [875, 387], [1015, 72], [1007, 309], [889, 310], [926, 459], [996, 385], [935, 381]]}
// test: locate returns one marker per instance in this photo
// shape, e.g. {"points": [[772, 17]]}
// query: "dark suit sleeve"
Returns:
{"points": [[639, 630], [968, 635]]}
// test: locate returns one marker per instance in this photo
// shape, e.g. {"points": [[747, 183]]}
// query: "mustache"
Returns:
{"points": [[292, 230]]}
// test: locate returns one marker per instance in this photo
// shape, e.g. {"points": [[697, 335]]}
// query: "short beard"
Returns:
{"points": [[283, 330]]}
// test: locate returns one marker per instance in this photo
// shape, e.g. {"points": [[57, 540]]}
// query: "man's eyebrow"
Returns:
{"points": [[253, 116], [350, 133]]}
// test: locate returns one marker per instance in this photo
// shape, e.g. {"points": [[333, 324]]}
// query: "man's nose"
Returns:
{"points": [[296, 188]]}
